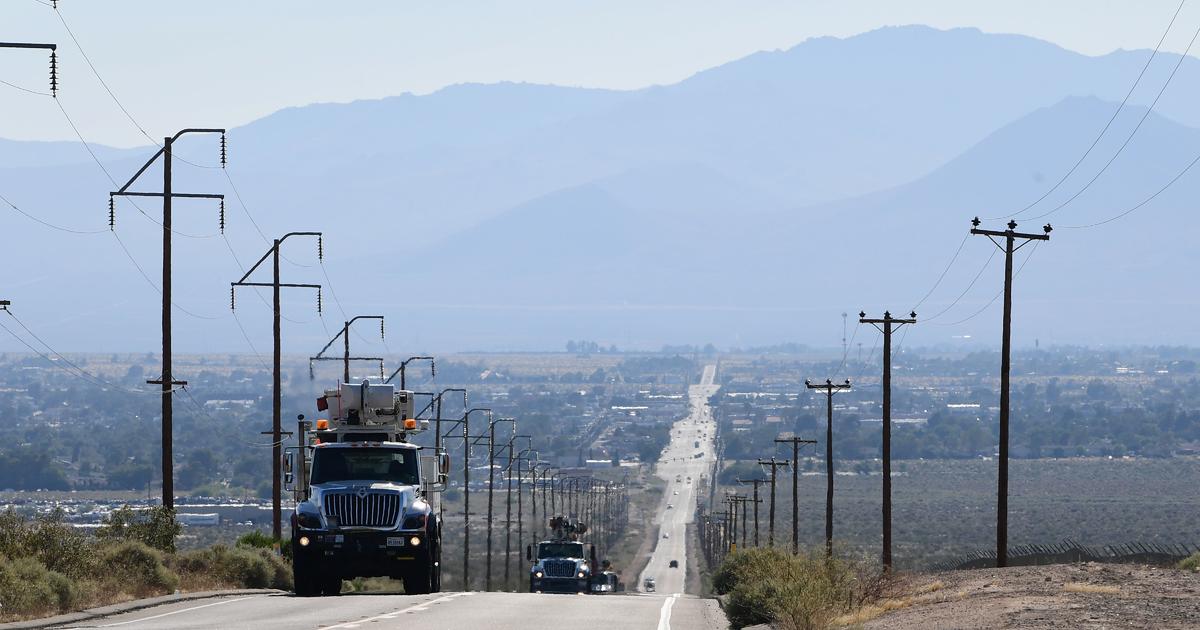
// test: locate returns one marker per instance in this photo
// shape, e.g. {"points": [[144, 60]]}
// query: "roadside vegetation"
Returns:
{"points": [[1191, 563], [802, 592], [49, 567]]}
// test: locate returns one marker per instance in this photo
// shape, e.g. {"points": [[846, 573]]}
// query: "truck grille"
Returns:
{"points": [[560, 568], [371, 510]]}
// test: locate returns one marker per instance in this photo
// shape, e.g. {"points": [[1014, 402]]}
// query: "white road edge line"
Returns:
{"points": [[173, 612], [664, 615], [395, 613]]}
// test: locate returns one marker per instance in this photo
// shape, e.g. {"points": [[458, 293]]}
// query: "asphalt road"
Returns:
{"points": [[662, 610], [681, 469], [494, 611]]}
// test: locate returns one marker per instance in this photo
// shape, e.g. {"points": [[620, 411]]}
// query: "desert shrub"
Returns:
{"points": [[56, 545], [1190, 563], [258, 540], [135, 568], [798, 592], [238, 567], [28, 588], [155, 527]]}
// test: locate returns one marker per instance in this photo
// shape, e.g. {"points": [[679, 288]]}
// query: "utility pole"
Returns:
{"points": [[491, 437], [774, 464], [53, 48], [276, 379], [346, 358], [886, 326], [167, 380], [404, 364], [466, 422], [795, 442], [1010, 236], [757, 483], [830, 389]]}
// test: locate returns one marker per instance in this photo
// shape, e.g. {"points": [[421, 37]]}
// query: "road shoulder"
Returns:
{"points": [[130, 606]]}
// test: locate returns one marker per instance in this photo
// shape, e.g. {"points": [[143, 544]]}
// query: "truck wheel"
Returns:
{"points": [[303, 581], [417, 582], [331, 586]]}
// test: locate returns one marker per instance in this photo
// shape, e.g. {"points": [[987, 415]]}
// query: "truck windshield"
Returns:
{"points": [[373, 464], [560, 550]]}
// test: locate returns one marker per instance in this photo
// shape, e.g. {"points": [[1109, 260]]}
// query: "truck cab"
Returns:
{"points": [[365, 496], [563, 564]]}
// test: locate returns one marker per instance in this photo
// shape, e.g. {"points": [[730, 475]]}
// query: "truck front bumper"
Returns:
{"points": [[351, 553], [559, 585]]}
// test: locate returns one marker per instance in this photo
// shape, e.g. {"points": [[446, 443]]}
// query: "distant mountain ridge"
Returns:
{"points": [[704, 210]]}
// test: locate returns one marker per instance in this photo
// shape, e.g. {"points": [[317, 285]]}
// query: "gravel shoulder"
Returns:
{"points": [[1086, 595]]}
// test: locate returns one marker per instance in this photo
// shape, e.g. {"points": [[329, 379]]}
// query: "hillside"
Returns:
{"points": [[711, 209]]}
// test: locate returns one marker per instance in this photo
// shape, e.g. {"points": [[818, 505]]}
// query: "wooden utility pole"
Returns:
{"points": [[276, 377], [346, 358], [756, 501], [167, 380], [830, 389], [1009, 246], [774, 464], [887, 325], [795, 442]]}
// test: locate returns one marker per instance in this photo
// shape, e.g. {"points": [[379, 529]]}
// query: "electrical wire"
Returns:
{"points": [[25, 89], [1128, 138], [200, 408], [846, 350], [997, 296], [986, 263], [1107, 125], [47, 223], [1145, 201], [73, 368], [156, 288], [944, 272]]}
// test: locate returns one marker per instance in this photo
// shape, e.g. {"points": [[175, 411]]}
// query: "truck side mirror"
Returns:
{"points": [[529, 552], [444, 463], [289, 466]]}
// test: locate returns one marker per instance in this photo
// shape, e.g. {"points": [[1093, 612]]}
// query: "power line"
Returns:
{"points": [[998, 294], [1128, 138], [986, 263], [25, 89], [1140, 204], [1116, 113], [943, 275], [47, 223]]}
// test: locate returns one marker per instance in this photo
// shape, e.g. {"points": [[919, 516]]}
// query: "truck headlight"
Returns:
{"points": [[537, 574], [303, 541], [580, 574], [415, 541]]}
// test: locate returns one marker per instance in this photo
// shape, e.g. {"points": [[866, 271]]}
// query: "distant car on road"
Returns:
{"points": [[674, 564], [676, 492], [670, 506], [649, 585], [666, 535]]}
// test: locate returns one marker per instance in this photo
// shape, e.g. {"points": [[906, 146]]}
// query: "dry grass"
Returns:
{"points": [[1094, 589], [921, 594]]}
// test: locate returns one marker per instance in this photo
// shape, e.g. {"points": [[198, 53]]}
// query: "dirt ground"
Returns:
{"points": [[1060, 596]]}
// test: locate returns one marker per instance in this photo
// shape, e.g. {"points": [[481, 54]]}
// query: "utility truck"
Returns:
{"points": [[562, 564], [366, 497]]}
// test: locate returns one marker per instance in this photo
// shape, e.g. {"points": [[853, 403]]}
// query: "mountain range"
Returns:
{"points": [[750, 203]]}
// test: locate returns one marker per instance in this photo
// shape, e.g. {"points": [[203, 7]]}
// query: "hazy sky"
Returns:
{"points": [[227, 62]]}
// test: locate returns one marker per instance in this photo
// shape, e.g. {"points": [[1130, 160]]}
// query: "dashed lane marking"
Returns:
{"points": [[664, 614]]}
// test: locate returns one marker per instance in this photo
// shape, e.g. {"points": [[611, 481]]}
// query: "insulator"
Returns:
{"points": [[54, 74], [381, 329], [223, 147], [320, 247], [112, 214], [318, 300], [222, 216], [432, 368], [232, 299]]}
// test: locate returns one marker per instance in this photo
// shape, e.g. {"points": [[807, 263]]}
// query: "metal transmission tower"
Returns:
{"points": [[1009, 246], [53, 48], [346, 358], [756, 501], [774, 464], [887, 325], [167, 379], [830, 389], [795, 442], [276, 386]]}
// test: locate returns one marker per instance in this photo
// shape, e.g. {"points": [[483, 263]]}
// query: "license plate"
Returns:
{"points": [[395, 541]]}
